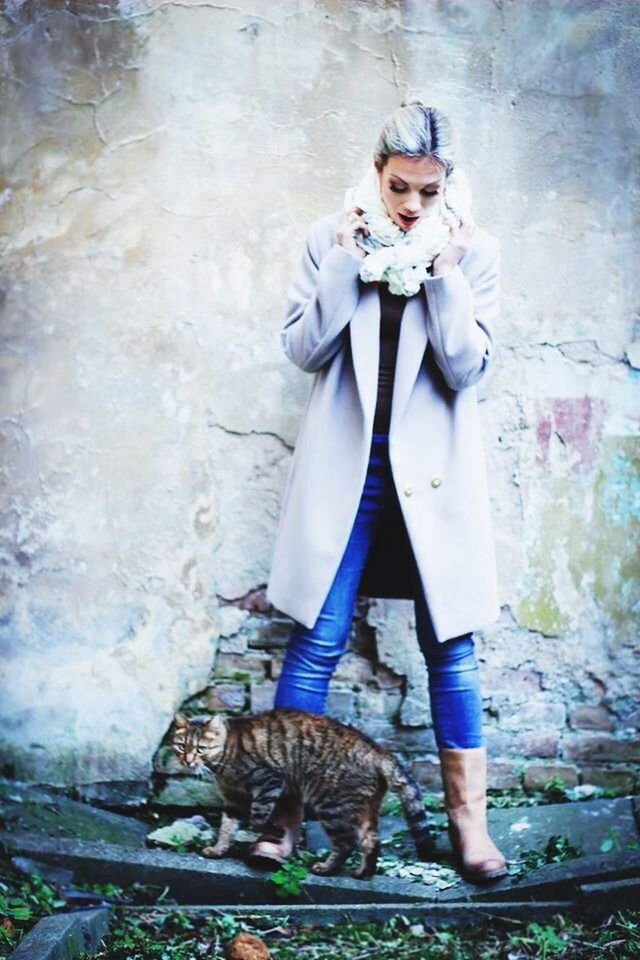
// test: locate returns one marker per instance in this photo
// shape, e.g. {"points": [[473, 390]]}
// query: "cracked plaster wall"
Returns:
{"points": [[160, 164]]}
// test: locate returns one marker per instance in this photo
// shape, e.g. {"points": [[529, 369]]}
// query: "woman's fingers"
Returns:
{"points": [[356, 220]]}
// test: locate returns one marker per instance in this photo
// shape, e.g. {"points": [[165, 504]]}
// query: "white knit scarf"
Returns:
{"points": [[400, 257]]}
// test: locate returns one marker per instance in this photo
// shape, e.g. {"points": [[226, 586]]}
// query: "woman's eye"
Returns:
{"points": [[396, 189]]}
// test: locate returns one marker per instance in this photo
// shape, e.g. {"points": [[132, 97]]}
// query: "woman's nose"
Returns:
{"points": [[414, 205]]}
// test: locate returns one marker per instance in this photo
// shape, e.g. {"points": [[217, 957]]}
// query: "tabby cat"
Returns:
{"points": [[339, 771]]}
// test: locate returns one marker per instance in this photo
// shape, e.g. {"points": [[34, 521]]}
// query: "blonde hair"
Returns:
{"points": [[417, 130]]}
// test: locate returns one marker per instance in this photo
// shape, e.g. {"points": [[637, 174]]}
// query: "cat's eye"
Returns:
{"points": [[200, 749]]}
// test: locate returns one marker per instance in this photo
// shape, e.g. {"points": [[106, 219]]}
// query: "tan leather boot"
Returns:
{"points": [[278, 839], [464, 778]]}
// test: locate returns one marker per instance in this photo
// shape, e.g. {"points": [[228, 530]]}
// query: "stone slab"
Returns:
{"points": [[598, 900], [64, 936], [28, 808], [120, 794], [193, 879], [454, 914], [562, 881], [587, 824]]}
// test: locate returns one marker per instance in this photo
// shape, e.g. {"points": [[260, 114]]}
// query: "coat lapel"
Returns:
{"points": [[411, 347], [364, 330]]}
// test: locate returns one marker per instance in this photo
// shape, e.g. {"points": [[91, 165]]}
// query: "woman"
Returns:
{"points": [[387, 494]]}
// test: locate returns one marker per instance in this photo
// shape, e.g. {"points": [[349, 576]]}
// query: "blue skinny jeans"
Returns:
{"points": [[313, 653]]}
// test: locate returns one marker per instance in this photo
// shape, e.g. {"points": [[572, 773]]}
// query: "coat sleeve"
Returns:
{"points": [[321, 300], [462, 317]]}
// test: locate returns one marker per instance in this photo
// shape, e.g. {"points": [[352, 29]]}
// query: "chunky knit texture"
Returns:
{"points": [[398, 257]]}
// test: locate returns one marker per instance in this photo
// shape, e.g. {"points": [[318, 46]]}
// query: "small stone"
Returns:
{"points": [[188, 792], [181, 832], [246, 946]]}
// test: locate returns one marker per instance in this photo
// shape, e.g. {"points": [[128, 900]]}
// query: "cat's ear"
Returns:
{"points": [[216, 720], [180, 720]]}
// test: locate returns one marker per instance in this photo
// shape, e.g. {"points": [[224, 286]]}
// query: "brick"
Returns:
{"points": [[537, 774], [517, 716], [600, 747], [237, 666], [237, 643], [341, 704], [383, 703], [353, 668], [262, 696], [542, 742], [273, 633], [427, 772], [226, 697], [275, 665], [415, 709], [388, 680], [501, 775], [591, 717], [509, 684], [621, 779], [409, 741], [377, 727]]}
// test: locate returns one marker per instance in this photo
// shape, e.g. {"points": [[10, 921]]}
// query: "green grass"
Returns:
{"points": [[179, 936], [161, 931]]}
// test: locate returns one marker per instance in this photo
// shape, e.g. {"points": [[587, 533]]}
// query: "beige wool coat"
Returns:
{"points": [[446, 344]]}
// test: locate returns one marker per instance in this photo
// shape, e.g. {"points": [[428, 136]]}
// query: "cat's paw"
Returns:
{"points": [[213, 852], [321, 868]]}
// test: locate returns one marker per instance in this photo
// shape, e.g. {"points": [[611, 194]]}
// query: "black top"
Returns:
{"points": [[391, 309]]}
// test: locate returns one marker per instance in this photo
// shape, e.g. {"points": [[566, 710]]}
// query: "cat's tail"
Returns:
{"points": [[400, 779]]}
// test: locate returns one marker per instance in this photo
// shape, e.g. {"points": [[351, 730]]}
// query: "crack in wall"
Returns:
{"points": [[251, 433]]}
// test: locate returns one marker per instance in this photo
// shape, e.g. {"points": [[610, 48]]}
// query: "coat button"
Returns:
{"points": [[436, 481], [408, 491]]}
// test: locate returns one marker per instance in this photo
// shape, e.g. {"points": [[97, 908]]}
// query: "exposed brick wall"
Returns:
{"points": [[532, 733]]}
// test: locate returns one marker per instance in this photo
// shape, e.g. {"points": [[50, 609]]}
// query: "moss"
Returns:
{"points": [[585, 545]]}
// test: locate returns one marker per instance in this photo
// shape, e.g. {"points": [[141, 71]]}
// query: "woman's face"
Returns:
{"points": [[410, 187]]}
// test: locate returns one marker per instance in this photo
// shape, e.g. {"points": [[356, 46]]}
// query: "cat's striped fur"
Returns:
{"points": [[341, 773]]}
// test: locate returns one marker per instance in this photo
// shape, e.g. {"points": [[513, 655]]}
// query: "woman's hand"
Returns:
{"points": [[345, 231], [459, 242]]}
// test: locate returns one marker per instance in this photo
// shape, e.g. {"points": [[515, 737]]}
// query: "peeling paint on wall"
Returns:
{"points": [[159, 165]]}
